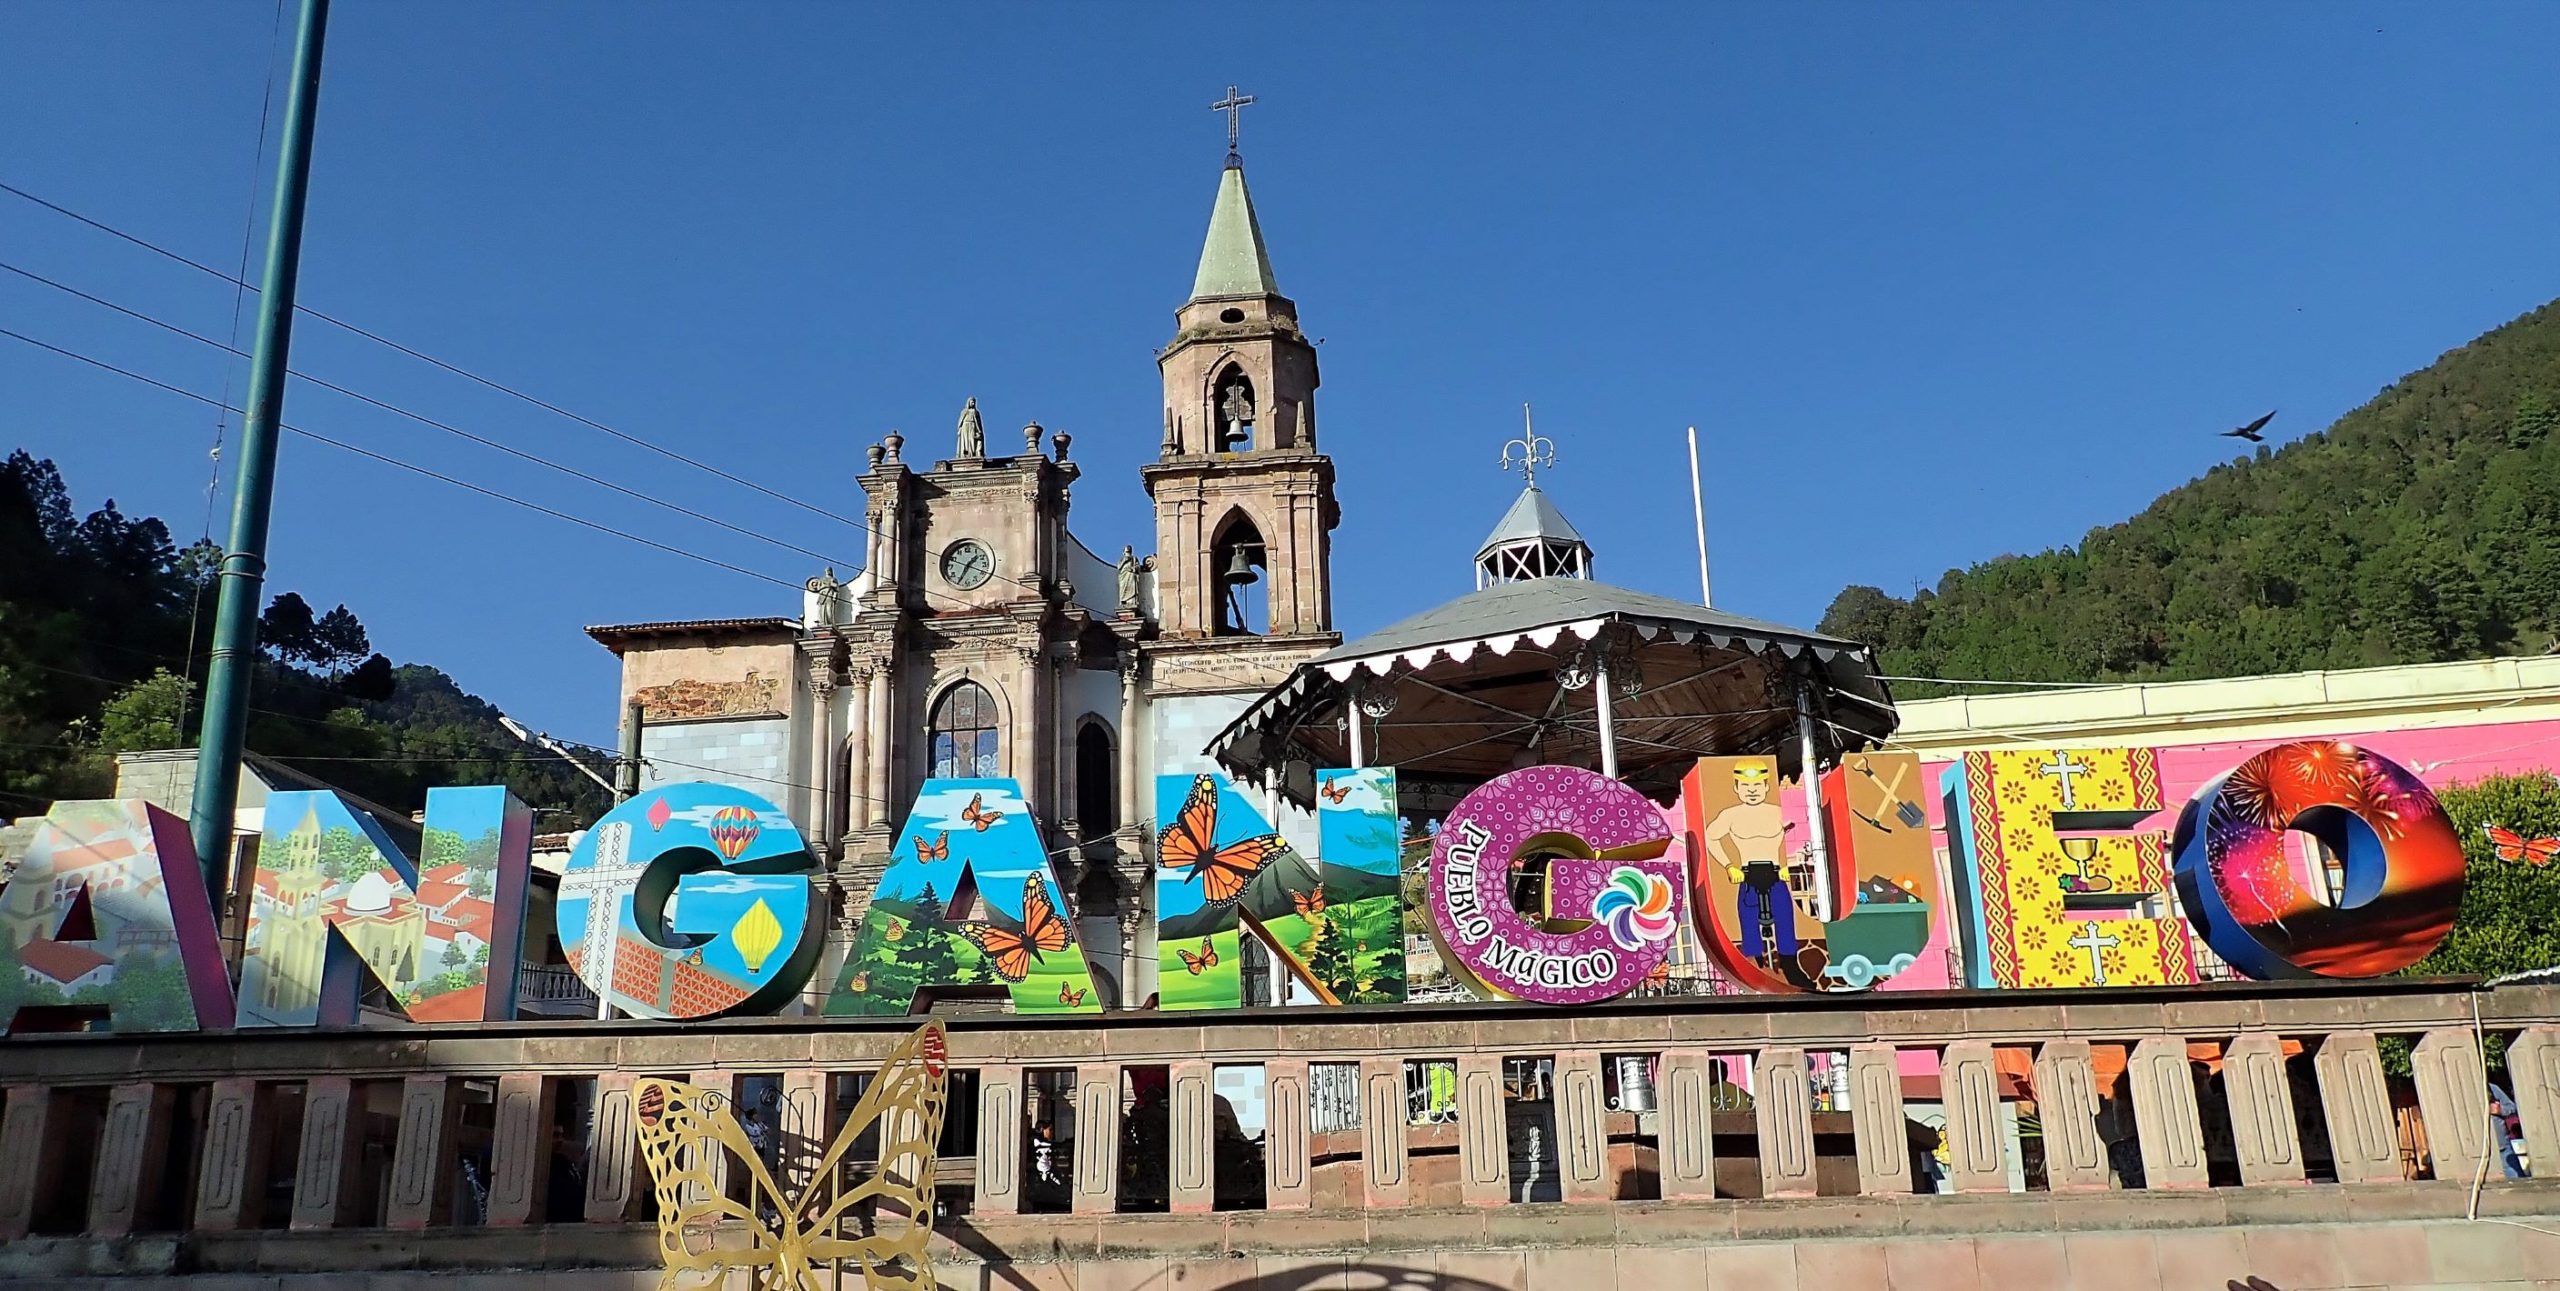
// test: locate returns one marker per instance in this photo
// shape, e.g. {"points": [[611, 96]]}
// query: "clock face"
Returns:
{"points": [[966, 564]]}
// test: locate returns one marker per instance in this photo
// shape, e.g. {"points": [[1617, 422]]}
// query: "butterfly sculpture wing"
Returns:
{"points": [[683, 1130]]}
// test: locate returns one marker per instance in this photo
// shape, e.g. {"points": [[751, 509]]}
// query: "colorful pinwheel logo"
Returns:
{"points": [[1636, 908]]}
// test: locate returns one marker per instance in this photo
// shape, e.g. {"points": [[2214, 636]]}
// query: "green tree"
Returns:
{"points": [[289, 628], [2510, 918], [1332, 961], [145, 715]]}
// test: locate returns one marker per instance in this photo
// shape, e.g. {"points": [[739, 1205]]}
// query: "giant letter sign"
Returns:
{"points": [[1751, 904], [967, 841], [1336, 926], [690, 901], [2403, 862], [108, 910], [1608, 842], [444, 935], [2046, 904]]}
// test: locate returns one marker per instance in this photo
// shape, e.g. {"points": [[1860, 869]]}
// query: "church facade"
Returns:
{"points": [[984, 638]]}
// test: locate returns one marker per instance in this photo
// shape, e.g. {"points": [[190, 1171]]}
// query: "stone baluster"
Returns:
{"points": [[422, 1157], [1190, 1168], [613, 1156], [132, 1147], [2453, 1096], [1686, 1089], [1001, 1128], [1977, 1151], [2075, 1153], [520, 1149], [1582, 1127], [30, 1150], [1784, 1111], [1287, 1153], [2263, 1133], [1096, 1180], [1385, 1181], [2164, 1114], [1484, 1138], [324, 1172], [2355, 1105], [231, 1182], [2533, 1067], [1876, 1113]]}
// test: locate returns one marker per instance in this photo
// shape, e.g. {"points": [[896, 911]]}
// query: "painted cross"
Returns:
{"points": [[2062, 768], [603, 884], [2095, 942]]}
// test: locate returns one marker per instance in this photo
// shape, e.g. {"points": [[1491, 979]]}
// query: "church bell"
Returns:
{"points": [[1240, 570]]}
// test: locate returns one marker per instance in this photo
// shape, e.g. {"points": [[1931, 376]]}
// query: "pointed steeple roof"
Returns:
{"points": [[1532, 518], [1232, 259]]}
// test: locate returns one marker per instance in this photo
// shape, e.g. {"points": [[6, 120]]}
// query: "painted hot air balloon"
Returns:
{"points": [[732, 828], [756, 934]]}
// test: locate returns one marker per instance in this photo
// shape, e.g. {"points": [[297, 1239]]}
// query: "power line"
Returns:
{"points": [[431, 360], [413, 467], [424, 420]]}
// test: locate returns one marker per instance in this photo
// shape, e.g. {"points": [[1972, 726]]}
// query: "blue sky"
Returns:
{"points": [[1936, 283]]}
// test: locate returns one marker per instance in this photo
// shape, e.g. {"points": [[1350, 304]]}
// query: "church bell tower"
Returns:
{"points": [[1244, 503]]}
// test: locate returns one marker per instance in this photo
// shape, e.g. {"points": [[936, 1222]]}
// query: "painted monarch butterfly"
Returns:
{"points": [[2512, 846], [1207, 958], [938, 850], [1309, 904], [975, 814], [1336, 791], [1224, 872], [1043, 930], [1072, 999]]}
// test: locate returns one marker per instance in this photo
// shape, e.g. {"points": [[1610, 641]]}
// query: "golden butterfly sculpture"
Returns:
{"points": [[684, 1129]]}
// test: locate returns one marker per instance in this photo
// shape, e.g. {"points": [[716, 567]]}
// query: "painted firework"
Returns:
{"points": [[2244, 888], [442, 934], [2048, 899], [967, 845], [690, 901], [107, 911]]}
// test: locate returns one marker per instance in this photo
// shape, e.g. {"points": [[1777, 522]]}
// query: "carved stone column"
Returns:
{"points": [[821, 831], [2355, 1105], [1385, 1180], [1132, 914], [1484, 1137], [883, 754], [2164, 1114], [520, 1149], [324, 1172], [1582, 1127], [612, 1153], [1000, 1134], [1977, 1156], [2261, 1098], [1287, 1150], [30, 1148], [2453, 1096], [132, 1146], [421, 1165], [2533, 1064], [1190, 1171], [1876, 1113], [2075, 1154], [1095, 1184], [1784, 1110], [1688, 1141], [231, 1182], [1133, 775], [860, 809]]}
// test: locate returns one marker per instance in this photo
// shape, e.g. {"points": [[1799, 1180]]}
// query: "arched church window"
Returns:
{"points": [[1235, 411], [1097, 781], [1237, 560], [964, 733]]}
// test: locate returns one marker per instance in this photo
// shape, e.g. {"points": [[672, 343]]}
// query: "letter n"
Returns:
{"points": [[107, 912]]}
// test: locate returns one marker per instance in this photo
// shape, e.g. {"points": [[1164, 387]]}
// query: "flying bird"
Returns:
{"points": [[2250, 431]]}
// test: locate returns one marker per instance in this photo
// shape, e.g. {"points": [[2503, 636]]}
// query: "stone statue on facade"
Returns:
{"points": [[973, 432], [826, 598], [1128, 578]]}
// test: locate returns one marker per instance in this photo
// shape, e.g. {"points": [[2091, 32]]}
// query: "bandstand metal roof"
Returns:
{"points": [[1472, 691]]}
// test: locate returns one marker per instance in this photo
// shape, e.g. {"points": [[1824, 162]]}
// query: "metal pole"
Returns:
{"points": [[1351, 714], [1816, 827], [626, 764], [1608, 720], [1698, 506], [244, 562]]}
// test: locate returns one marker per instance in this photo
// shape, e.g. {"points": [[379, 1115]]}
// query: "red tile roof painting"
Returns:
{"points": [[62, 961], [452, 1006], [678, 986]]}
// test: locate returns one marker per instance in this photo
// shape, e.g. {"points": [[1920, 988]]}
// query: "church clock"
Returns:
{"points": [[966, 564]]}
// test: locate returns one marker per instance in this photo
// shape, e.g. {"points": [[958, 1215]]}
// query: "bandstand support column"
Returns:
{"points": [[1600, 705]]}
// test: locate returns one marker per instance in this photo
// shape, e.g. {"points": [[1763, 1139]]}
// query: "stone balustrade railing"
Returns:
{"points": [[108, 1136]]}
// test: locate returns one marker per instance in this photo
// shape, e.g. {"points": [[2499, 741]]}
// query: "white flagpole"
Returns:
{"points": [[1698, 505]]}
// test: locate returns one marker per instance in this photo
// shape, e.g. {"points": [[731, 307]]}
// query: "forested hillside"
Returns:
{"points": [[2422, 526], [97, 617]]}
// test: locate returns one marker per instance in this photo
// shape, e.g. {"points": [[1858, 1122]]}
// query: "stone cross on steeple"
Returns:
{"points": [[1233, 105]]}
